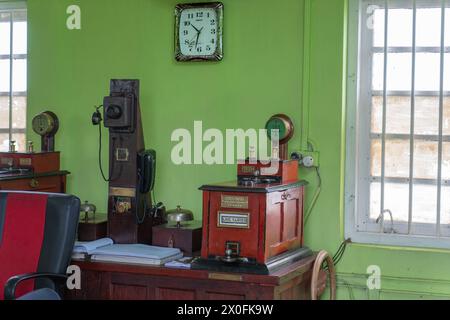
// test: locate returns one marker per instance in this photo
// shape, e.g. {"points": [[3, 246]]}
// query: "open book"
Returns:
{"points": [[82, 247]]}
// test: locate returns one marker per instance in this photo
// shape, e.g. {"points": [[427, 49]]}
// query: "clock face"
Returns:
{"points": [[199, 32]]}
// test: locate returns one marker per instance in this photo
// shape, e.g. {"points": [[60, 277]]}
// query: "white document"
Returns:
{"points": [[134, 260], [89, 246], [137, 251]]}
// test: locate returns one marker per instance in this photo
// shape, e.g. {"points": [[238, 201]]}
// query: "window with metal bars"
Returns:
{"points": [[13, 74], [398, 123]]}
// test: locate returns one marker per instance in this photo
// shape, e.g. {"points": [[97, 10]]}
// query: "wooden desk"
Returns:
{"points": [[42, 182], [102, 281]]}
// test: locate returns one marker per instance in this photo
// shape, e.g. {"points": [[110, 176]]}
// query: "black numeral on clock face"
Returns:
{"points": [[187, 23], [185, 32], [199, 49], [190, 16], [213, 31]]}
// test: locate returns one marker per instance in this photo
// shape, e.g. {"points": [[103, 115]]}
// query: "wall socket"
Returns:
{"points": [[307, 159]]}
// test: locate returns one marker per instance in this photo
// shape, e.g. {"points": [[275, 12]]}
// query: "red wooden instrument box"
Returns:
{"points": [[252, 228]]}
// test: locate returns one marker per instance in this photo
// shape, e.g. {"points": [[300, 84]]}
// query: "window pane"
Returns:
{"points": [[400, 28], [424, 204], [4, 142], [427, 115], [425, 159], [20, 75], [396, 200], [4, 113], [378, 28], [398, 115], [445, 205], [4, 75], [428, 27], [20, 38], [375, 158], [20, 139], [399, 67], [447, 27], [428, 67], [375, 198], [447, 70], [5, 37], [397, 158], [378, 72], [446, 161], [19, 113]]}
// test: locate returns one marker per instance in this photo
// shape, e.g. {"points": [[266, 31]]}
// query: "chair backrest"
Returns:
{"points": [[37, 234]]}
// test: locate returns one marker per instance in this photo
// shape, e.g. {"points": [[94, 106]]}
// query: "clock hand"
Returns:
{"points": [[198, 35], [195, 28]]}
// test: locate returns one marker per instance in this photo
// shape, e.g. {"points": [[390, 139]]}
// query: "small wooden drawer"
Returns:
{"points": [[41, 184]]}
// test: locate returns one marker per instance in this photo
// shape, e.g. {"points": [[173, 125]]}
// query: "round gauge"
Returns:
{"points": [[45, 123], [283, 124]]}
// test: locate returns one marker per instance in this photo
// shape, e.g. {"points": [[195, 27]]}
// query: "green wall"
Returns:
{"points": [[261, 74]]}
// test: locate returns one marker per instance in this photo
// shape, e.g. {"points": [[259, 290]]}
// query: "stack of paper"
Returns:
{"points": [[136, 253], [83, 248]]}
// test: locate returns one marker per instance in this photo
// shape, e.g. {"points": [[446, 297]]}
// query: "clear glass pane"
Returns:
{"points": [[20, 75], [446, 161], [428, 27], [4, 142], [427, 115], [377, 115], [398, 115], [19, 113], [378, 72], [378, 28], [447, 70], [20, 38], [4, 113], [5, 37], [396, 199], [396, 158], [425, 159], [424, 204], [428, 67], [445, 205], [375, 198], [399, 67], [375, 158], [21, 140], [400, 27], [447, 26], [4, 76]]}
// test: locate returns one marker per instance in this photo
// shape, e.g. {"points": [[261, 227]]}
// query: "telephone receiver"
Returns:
{"points": [[146, 165]]}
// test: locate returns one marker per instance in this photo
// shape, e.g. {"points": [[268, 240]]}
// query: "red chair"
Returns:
{"points": [[37, 235]]}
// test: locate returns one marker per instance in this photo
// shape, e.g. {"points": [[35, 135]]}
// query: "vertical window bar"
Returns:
{"points": [[383, 141], [11, 49], [412, 124], [441, 120]]}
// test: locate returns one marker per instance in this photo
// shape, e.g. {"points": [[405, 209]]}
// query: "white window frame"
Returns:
{"points": [[358, 224], [11, 7]]}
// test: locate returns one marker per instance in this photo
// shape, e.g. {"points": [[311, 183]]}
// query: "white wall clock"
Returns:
{"points": [[199, 31]]}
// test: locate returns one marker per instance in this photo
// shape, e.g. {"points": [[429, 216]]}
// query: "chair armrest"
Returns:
{"points": [[12, 283]]}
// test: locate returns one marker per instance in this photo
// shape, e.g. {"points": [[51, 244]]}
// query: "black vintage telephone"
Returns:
{"points": [[146, 170]]}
